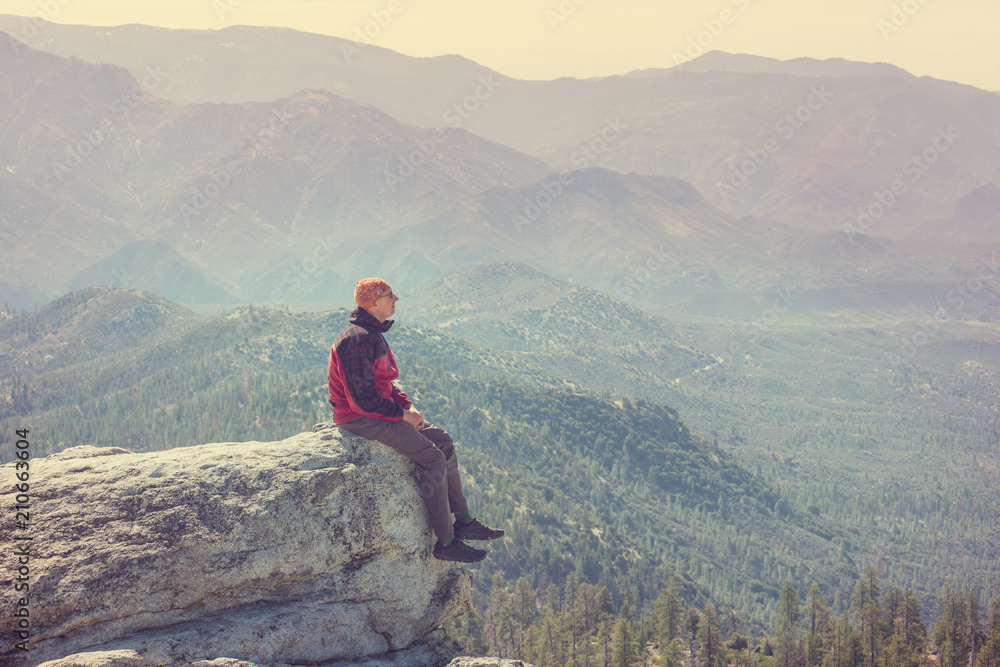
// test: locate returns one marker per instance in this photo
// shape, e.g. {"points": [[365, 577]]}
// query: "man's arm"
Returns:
{"points": [[399, 397], [356, 361]]}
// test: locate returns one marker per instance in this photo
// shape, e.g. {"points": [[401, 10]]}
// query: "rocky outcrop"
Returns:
{"points": [[314, 550]]}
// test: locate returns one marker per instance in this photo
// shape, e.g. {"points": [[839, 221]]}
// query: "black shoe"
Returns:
{"points": [[476, 530], [458, 551]]}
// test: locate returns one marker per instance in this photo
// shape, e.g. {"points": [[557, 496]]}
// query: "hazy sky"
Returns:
{"points": [[543, 39]]}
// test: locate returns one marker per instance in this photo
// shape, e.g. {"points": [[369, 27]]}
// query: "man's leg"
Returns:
{"points": [[466, 527], [431, 462], [456, 498]]}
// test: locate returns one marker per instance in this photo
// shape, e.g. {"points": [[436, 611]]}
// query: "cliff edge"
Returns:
{"points": [[314, 550]]}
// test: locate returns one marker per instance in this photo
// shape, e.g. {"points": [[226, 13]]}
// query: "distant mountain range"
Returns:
{"points": [[841, 129], [217, 167]]}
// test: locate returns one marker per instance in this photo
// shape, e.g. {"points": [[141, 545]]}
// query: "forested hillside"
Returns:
{"points": [[607, 490]]}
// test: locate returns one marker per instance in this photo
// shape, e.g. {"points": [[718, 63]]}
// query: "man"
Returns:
{"points": [[365, 402]]}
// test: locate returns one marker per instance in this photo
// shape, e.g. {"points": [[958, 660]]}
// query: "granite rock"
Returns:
{"points": [[311, 550]]}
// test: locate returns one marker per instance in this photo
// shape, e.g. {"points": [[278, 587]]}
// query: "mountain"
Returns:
{"points": [[858, 400], [720, 61], [237, 202], [94, 322], [216, 203], [656, 243], [44, 237], [161, 268], [237, 197], [580, 479], [804, 141], [975, 218], [830, 446], [574, 331]]}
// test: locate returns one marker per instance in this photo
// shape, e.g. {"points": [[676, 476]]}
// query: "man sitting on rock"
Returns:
{"points": [[365, 402]]}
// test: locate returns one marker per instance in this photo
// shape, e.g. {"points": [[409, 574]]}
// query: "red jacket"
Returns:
{"points": [[361, 371]]}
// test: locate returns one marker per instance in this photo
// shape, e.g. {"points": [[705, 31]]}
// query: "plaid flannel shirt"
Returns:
{"points": [[361, 370]]}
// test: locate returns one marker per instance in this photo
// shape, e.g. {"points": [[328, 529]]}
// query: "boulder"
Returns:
{"points": [[314, 550]]}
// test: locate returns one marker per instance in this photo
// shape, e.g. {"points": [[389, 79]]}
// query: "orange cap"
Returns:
{"points": [[369, 290]]}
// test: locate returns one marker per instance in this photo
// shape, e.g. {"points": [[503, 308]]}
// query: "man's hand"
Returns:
{"points": [[413, 417]]}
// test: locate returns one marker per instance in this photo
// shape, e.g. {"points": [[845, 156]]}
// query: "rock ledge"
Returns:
{"points": [[314, 550]]}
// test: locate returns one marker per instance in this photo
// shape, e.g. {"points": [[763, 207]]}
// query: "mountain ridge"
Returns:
{"points": [[677, 117]]}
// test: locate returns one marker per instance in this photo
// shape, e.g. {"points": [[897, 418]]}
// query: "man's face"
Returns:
{"points": [[385, 307]]}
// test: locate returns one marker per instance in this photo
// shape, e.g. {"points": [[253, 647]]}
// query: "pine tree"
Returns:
{"points": [[667, 614], [818, 620], [788, 625], [523, 603], [625, 644], [474, 633], [712, 651], [976, 634], [691, 626], [892, 608], [905, 646], [604, 606], [989, 656], [670, 654], [491, 619], [951, 632], [865, 603], [604, 633], [844, 648]]}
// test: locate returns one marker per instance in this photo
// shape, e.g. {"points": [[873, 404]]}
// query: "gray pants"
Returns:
{"points": [[433, 451]]}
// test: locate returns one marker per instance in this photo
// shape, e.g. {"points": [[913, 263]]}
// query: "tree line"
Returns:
{"points": [[578, 625]]}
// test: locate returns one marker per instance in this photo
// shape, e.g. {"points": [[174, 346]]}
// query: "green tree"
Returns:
{"points": [[605, 606], [522, 613], [788, 625], [626, 647], [845, 646], [976, 634], [951, 632], [667, 609], [604, 641], [496, 618], [818, 620], [865, 603], [989, 656], [691, 626], [712, 651], [670, 655]]}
